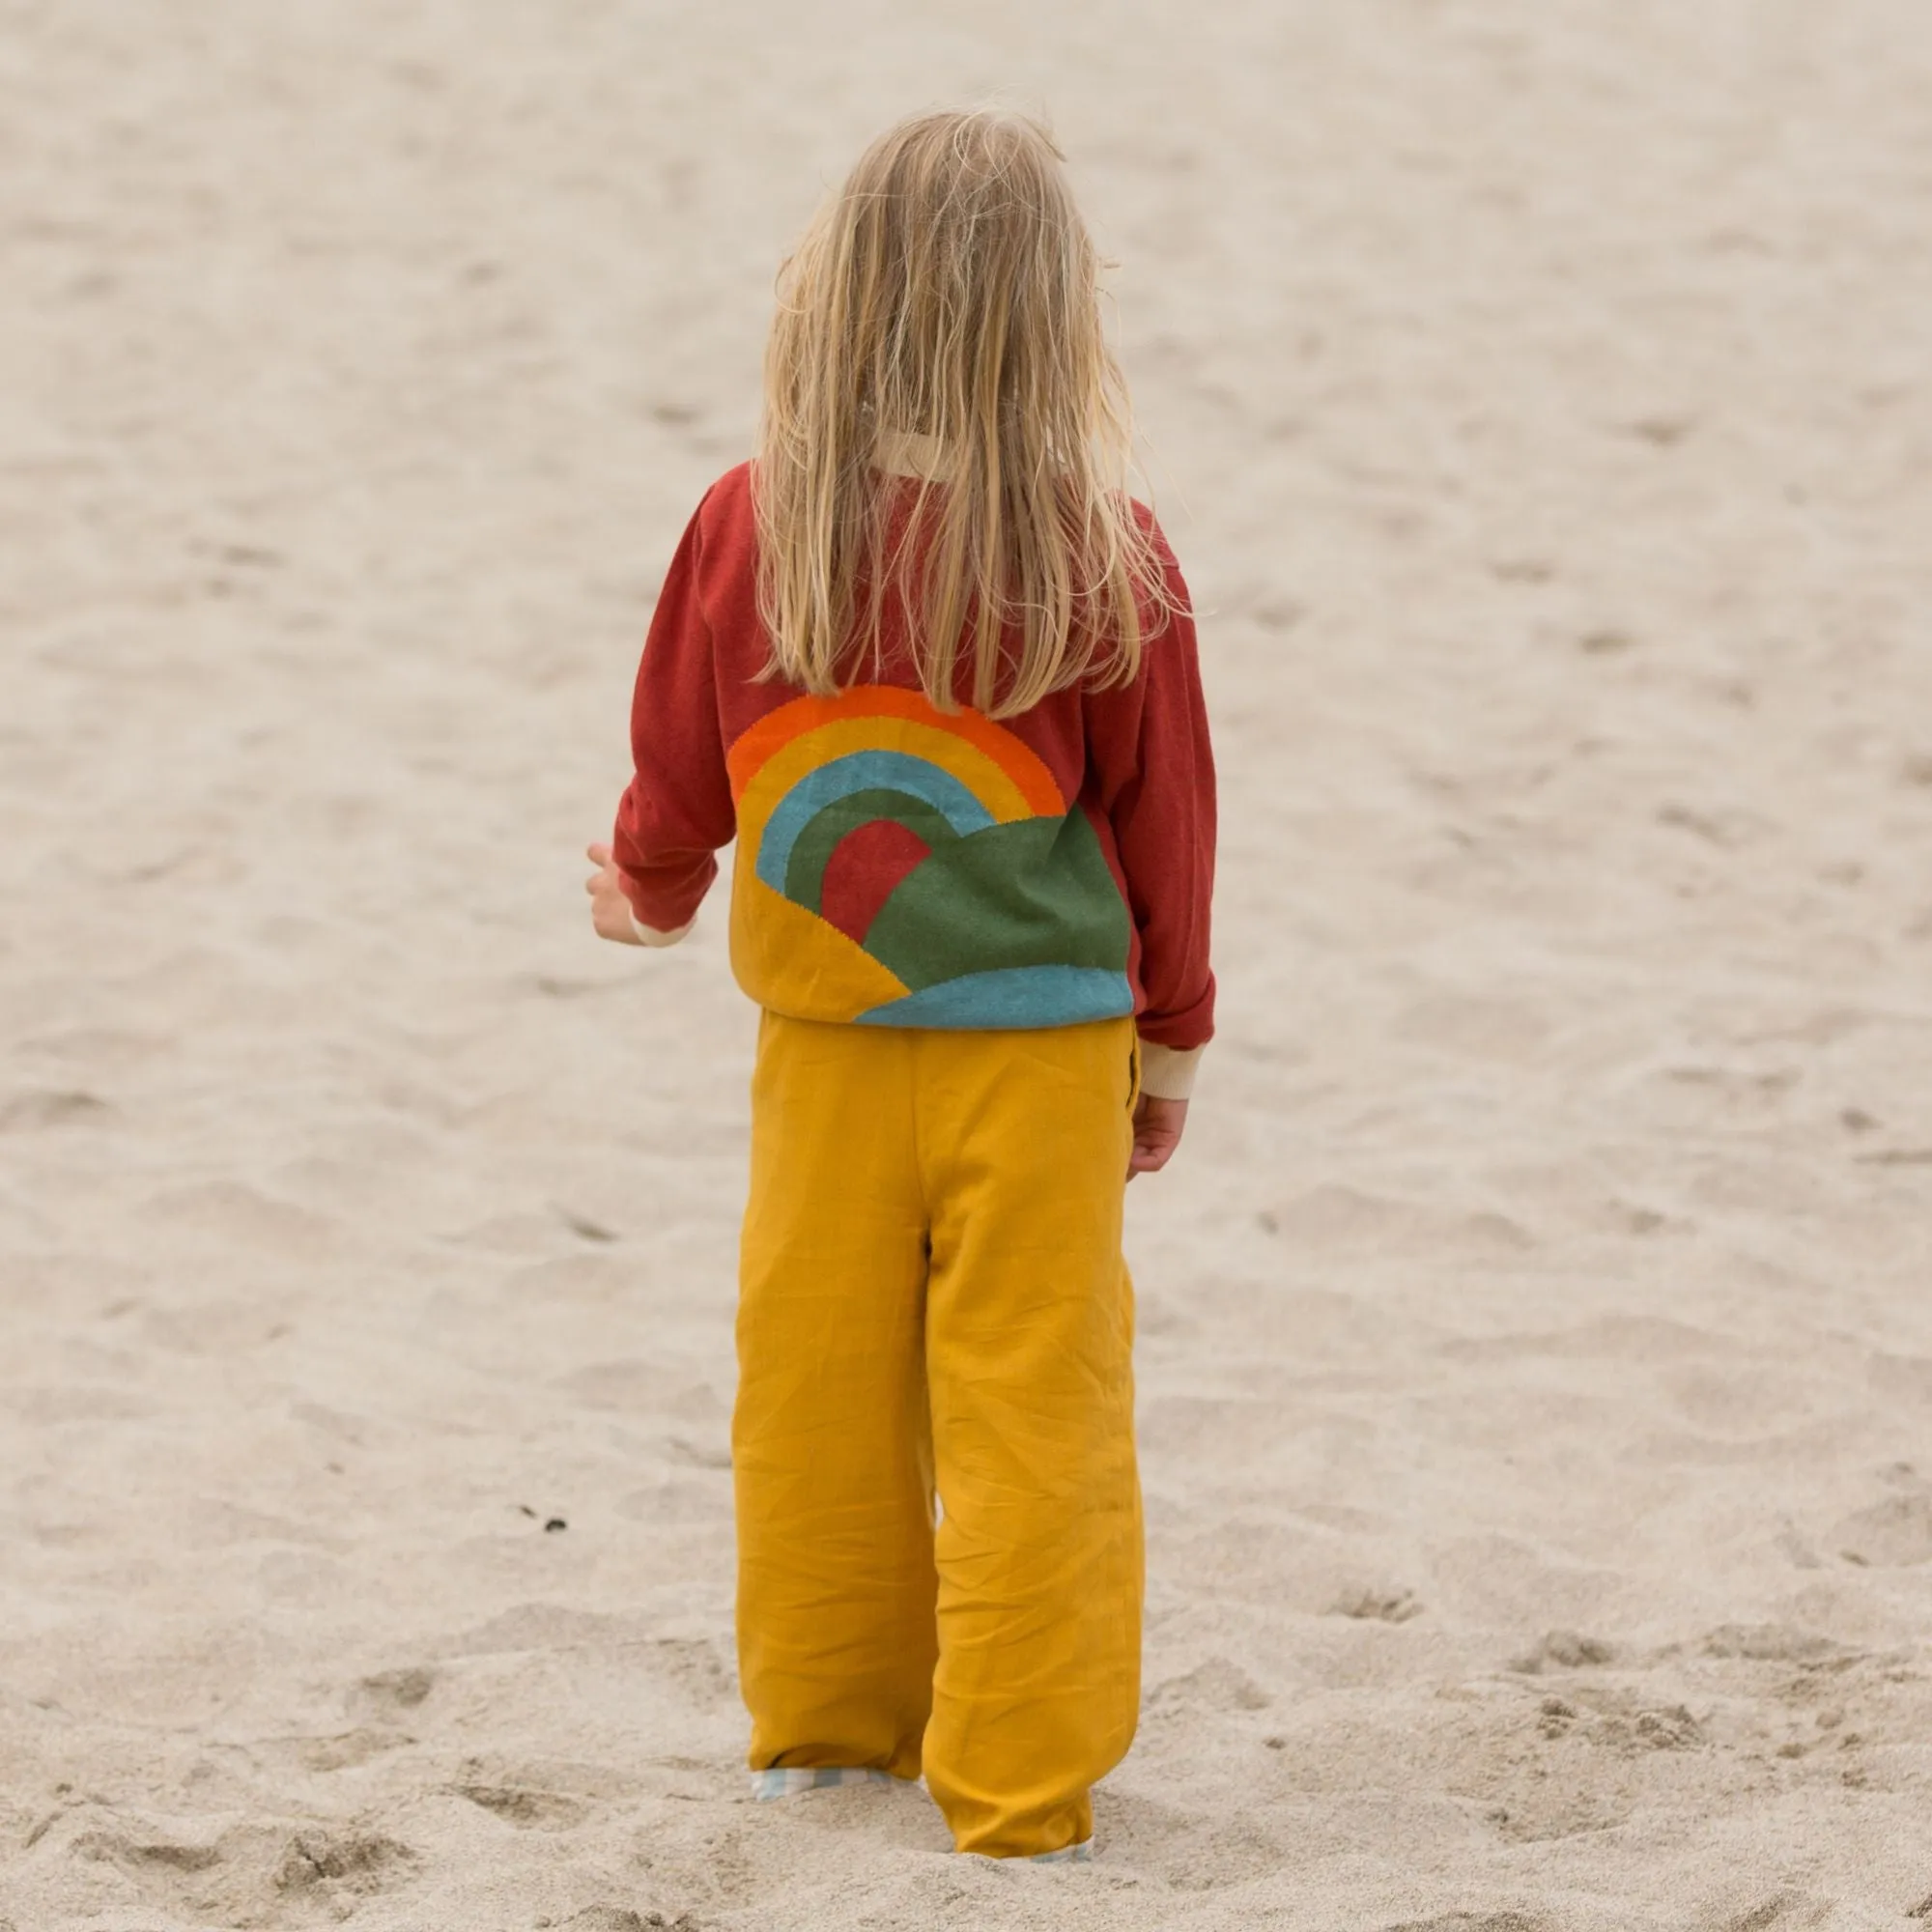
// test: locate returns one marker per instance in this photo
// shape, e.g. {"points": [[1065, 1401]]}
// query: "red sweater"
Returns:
{"points": [[901, 865]]}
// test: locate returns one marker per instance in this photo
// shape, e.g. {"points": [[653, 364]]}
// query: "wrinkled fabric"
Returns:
{"points": [[939, 1520]]}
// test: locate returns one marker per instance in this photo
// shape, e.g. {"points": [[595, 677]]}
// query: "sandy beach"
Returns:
{"points": [[1535, 1374]]}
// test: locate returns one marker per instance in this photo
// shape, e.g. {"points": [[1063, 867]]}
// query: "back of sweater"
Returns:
{"points": [[902, 865]]}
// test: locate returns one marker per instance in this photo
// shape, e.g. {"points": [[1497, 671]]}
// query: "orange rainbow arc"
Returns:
{"points": [[759, 743]]}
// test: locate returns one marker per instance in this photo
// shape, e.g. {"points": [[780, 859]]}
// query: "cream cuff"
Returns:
{"points": [[1167, 1072], [649, 935]]}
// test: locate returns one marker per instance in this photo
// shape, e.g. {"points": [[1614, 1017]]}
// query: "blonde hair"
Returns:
{"points": [[946, 297]]}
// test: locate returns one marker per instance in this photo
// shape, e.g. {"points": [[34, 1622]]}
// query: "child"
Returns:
{"points": [[935, 671]]}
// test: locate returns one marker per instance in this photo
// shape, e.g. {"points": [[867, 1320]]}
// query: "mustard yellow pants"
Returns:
{"points": [[934, 1304]]}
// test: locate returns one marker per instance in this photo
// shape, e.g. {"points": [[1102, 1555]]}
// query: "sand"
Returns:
{"points": [[1536, 1377]]}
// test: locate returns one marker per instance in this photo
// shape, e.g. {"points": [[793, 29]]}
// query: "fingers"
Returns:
{"points": [[1158, 1126], [609, 909], [610, 921]]}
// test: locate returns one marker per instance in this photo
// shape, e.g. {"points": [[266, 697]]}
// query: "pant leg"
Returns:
{"points": [[830, 1446], [1024, 1142]]}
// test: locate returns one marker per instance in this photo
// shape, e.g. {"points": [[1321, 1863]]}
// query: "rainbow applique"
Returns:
{"points": [[899, 866]]}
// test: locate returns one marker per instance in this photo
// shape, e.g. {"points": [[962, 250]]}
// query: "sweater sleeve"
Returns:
{"points": [[1155, 766], [676, 811]]}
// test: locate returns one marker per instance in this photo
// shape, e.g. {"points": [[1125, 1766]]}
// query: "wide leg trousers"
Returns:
{"points": [[939, 1522]]}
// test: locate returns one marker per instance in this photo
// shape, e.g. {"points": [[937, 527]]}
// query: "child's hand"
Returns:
{"points": [[609, 909], [1157, 1125]]}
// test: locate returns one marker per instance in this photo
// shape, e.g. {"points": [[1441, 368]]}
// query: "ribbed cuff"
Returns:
{"points": [[1167, 1072], [650, 935]]}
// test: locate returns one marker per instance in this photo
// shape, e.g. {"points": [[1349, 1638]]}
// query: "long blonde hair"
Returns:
{"points": [[947, 298]]}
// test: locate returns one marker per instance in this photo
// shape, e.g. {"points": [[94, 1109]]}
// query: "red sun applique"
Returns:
{"points": [[864, 870]]}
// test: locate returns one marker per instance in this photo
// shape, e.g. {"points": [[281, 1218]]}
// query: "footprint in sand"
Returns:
{"points": [[1376, 1606], [1769, 1643], [395, 1690], [360, 1864], [34, 1112], [697, 1668], [1563, 1649], [528, 1809], [345, 1750], [123, 1849], [1219, 1685], [1895, 1534], [226, 1878]]}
